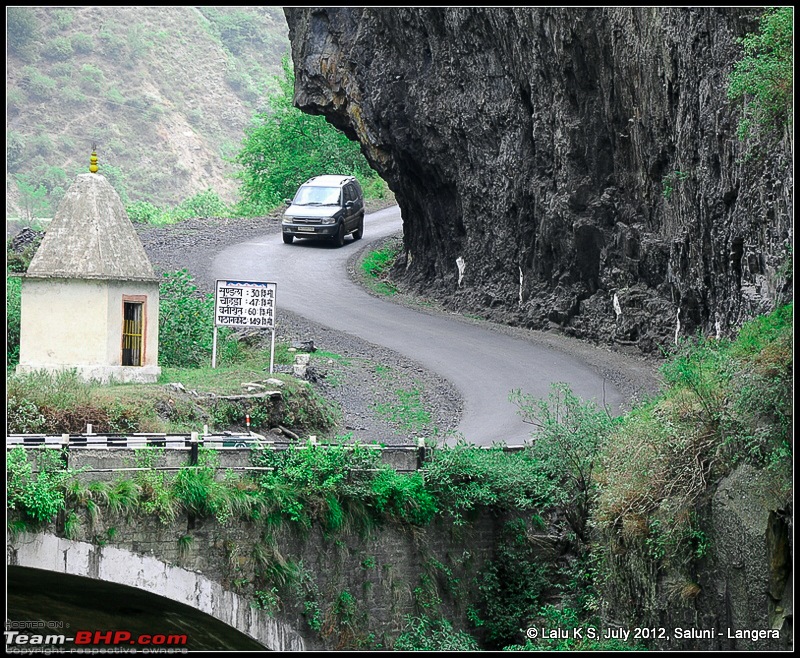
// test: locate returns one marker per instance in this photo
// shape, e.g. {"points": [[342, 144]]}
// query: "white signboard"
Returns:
{"points": [[245, 304]]}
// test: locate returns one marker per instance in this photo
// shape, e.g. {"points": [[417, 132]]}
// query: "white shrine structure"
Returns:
{"points": [[90, 295]]}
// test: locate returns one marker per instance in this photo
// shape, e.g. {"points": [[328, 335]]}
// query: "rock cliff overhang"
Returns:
{"points": [[570, 168]]}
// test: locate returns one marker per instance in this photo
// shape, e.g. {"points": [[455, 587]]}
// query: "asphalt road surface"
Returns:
{"points": [[484, 365]]}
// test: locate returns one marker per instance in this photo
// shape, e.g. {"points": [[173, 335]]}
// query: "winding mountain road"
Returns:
{"points": [[483, 364]]}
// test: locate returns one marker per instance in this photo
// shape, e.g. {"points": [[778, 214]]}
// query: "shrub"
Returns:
{"points": [[63, 71], [376, 188], [552, 618], [35, 483], [40, 144], [15, 101], [82, 43], [571, 434], [308, 484], [464, 477], [15, 146], [62, 19], [39, 85], [727, 402], [510, 586], [58, 48], [114, 96], [424, 633], [13, 317], [143, 212], [91, 78], [21, 28], [73, 96], [403, 497], [186, 322], [764, 75], [203, 204], [23, 416]]}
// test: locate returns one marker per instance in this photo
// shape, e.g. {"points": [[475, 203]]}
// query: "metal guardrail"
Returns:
{"points": [[180, 441], [171, 441], [174, 441], [76, 443], [191, 443]]}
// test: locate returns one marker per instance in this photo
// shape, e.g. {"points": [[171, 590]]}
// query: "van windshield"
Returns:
{"points": [[310, 195]]}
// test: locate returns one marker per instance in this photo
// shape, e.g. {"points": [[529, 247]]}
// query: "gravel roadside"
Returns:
{"points": [[383, 396]]}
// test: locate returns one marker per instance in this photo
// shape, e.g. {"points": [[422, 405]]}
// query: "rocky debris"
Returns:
{"points": [[25, 238], [301, 362], [180, 388], [273, 395], [250, 336], [21, 248], [314, 375], [303, 346], [253, 386], [282, 431]]}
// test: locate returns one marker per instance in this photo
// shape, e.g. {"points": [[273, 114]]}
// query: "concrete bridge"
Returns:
{"points": [[46, 552], [282, 588]]}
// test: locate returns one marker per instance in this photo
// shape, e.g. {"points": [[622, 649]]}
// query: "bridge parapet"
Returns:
{"points": [[98, 454], [344, 567]]}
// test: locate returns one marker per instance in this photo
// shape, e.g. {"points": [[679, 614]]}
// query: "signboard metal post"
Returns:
{"points": [[245, 304]]}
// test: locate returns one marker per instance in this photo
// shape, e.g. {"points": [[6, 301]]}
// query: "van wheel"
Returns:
{"points": [[339, 239], [287, 238], [359, 232]]}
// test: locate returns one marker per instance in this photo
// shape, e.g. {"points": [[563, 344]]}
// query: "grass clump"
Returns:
{"points": [[407, 411], [376, 266], [56, 403]]}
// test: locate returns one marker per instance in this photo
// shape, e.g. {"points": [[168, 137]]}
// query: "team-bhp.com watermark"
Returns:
{"points": [[117, 641]]}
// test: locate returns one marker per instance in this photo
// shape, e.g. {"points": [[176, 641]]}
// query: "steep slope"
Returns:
{"points": [[164, 92], [557, 167]]}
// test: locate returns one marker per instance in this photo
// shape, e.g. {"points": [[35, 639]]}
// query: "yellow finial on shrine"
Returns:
{"points": [[93, 160]]}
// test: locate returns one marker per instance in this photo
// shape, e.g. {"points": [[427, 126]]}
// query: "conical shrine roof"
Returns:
{"points": [[91, 237]]}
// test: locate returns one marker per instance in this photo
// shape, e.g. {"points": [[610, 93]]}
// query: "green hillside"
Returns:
{"points": [[164, 92]]}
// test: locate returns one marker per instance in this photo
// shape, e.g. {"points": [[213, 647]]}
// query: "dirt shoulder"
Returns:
{"points": [[383, 397]]}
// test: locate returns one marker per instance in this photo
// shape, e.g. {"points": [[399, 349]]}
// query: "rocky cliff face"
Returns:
{"points": [[562, 168]]}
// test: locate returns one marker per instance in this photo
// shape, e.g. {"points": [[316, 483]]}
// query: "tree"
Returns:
{"points": [[33, 197], [283, 147], [764, 76], [571, 434], [21, 28]]}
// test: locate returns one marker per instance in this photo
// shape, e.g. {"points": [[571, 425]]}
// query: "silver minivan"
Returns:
{"points": [[325, 207]]}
